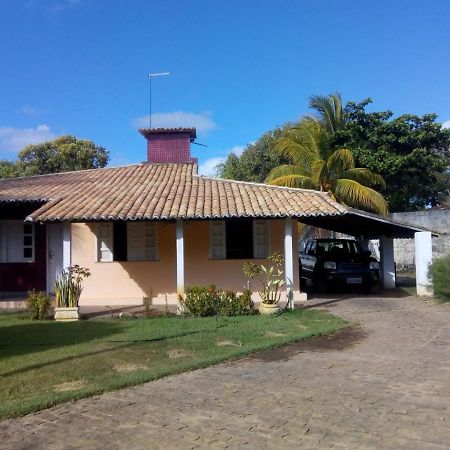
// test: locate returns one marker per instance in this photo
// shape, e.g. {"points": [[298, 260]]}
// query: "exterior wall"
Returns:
{"points": [[437, 220], [25, 276], [169, 148], [123, 283]]}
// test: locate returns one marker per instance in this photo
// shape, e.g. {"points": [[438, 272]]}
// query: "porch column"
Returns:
{"points": [[387, 266], [424, 254], [67, 244], [288, 262], [180, 261]]}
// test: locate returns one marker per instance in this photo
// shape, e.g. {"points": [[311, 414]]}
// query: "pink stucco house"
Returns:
{"points": [[154, 228]]}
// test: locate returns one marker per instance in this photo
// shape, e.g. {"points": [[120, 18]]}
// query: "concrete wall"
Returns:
{"points": [[121, 283], [437, 220]]}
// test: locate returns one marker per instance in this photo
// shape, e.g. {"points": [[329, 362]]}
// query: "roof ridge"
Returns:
{"points": [[253, 183], [143, 163]]}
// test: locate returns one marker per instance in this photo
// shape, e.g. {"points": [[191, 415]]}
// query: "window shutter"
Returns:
{"points": [[151, 241], [142, 241], [105, 242], [217, 239], [260, 239]]}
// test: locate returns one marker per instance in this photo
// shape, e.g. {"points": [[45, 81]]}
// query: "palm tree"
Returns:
{"points": [[315, 165]]}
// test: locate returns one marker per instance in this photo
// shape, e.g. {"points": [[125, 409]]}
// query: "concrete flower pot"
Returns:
{"points": [[269, 308], [67, 314]]}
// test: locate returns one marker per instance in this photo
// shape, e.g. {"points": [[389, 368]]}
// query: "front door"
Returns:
{"points": [[54, 254]]}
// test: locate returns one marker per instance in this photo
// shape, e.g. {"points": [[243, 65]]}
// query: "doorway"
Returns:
{"points": [[54, 254]]}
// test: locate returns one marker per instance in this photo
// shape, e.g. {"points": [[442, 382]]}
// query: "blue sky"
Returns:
{"points": [[239, 68]]}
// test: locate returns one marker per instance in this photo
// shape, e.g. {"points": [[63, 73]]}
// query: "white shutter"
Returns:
{"points": [[217, 239], [260, 239], [142, 241], [105, 242]]}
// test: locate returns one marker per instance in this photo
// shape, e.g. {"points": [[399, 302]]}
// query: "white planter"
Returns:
{"points": [[67, 314], [269, 308]]}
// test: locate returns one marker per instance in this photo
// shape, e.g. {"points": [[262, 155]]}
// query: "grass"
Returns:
{"points": [[46, 363]]}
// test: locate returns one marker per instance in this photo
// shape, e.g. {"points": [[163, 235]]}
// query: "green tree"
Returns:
{"points": [[411, 152], [315, 164], [257, 160], [65, 153], [8, 169]]}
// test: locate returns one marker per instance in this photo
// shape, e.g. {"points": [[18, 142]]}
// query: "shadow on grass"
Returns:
{"points": [[18, 339]]}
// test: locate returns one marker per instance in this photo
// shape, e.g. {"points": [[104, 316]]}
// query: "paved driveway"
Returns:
{"points": [[385, 384]]}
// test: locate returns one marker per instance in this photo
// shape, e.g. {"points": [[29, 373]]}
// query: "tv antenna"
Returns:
{"points": [[150, 76]]}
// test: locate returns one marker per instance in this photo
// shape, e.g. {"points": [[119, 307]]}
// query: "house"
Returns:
{"points": [[151, 229]]}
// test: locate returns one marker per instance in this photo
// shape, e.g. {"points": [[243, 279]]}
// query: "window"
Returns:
{"points": [[16, 241], [239, 239], [127, 241]]}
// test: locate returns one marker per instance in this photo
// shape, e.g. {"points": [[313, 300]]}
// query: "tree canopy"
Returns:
{"points": [[257, 160], [411, 152], [65, 153], [315, 164]]}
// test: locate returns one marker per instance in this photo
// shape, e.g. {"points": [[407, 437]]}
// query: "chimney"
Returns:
{"points": [[169, 145]]}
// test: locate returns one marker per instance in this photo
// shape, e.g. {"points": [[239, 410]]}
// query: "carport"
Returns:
{"points": [[366, 226]]}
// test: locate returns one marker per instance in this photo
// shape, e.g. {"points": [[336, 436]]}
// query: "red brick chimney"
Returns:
{"points": [[169, 145]]}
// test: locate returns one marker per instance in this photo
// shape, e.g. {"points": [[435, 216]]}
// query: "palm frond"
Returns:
{"points": [[297, 152], [286, 170], [355, 194], [319, 171], [365, 177], [340, 161], [329, 109], [294, 181]]}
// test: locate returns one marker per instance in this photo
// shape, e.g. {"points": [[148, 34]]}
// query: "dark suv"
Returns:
{"points": [[328, 262]]}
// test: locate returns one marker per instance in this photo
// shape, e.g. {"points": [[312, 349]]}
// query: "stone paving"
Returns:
{"points": [[384, 384]]}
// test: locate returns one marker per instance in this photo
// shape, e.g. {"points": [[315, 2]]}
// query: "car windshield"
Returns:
{"points": [[338, 248]]}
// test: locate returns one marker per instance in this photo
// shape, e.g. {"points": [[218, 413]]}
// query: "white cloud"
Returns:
{"points": [[209, 167], [446, 124], [13, 139], [203, 122], [31, 111]]}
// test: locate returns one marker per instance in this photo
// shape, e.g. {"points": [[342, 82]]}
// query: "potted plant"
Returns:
{"points": [[270, 278], [68, 290]]}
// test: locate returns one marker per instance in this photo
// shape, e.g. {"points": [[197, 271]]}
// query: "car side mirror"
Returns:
{"points": [[367, 252]]}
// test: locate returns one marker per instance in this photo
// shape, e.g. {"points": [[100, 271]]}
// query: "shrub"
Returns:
{"points": [[38, 304], [201, 300], [208, 301], [232, 304], [440, 273]]}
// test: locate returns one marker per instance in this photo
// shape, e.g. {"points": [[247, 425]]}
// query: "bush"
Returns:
{"points": [[440, 273], [232, 304], [208, 301], [38, 304]]}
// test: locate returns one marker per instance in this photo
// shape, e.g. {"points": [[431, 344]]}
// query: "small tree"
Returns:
{"points": [[68, 286]]}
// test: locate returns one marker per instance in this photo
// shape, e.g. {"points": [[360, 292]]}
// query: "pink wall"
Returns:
{"points": [[117, 283], [169, 148]]}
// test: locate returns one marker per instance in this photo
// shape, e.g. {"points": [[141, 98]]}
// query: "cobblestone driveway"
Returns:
{"points": [[385, 384]]}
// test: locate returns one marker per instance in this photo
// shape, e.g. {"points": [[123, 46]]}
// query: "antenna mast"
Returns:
{"points": [[150, 76]]}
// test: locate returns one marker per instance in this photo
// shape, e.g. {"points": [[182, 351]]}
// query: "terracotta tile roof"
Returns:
{"points": [[159, 191]]}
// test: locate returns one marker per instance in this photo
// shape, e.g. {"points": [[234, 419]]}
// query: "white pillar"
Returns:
{"points": [[424, 255], [180, 260], [67, 244], [387, 266], [288, 262]]}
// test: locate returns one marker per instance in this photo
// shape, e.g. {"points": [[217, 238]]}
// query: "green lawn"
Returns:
{"points": [[45, 363]]}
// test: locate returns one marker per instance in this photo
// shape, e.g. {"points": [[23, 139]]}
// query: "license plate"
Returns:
{"points": [[354, 280]]}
